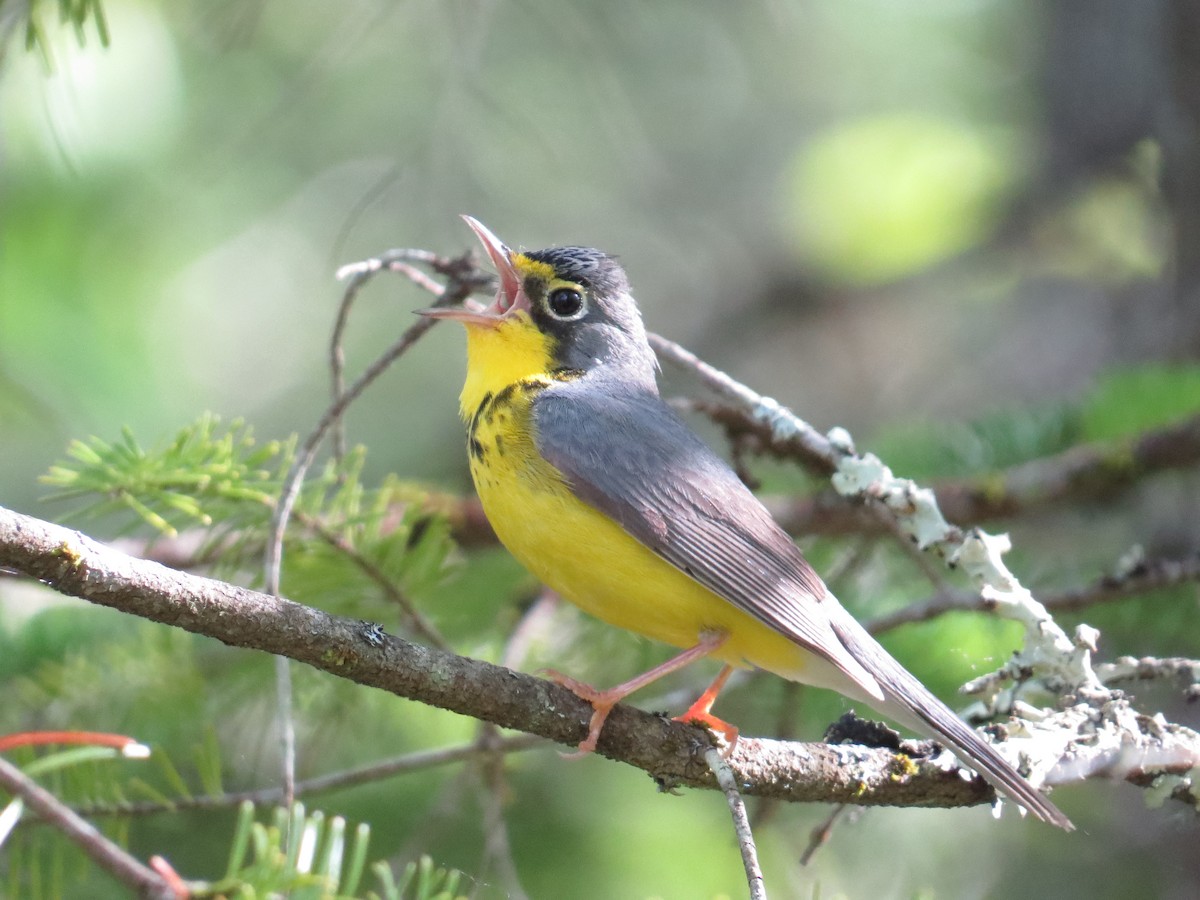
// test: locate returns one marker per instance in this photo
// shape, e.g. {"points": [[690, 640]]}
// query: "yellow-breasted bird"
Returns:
{"points": [[595, 484]]}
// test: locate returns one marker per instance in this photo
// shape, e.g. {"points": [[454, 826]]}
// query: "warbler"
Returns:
{"points": [[607, 496]]}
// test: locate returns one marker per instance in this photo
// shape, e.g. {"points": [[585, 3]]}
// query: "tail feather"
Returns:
{"points": [[910, 702]]}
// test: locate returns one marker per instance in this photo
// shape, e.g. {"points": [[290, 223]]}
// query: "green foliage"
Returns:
{"points": [[421, 880], [51, 762], [884, 196], [53, 634], [206, 474], [1123, 403], [1129, 401], [39, 865], [109, 681], [994, 441], [302, 855], [319, 862], [212, 489], [76, 12], [345, 541]]}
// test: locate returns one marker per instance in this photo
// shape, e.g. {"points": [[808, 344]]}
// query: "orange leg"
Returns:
{"points": [[698, 713], [603, 701]]}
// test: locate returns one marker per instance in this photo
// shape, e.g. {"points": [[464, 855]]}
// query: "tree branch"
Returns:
{"points": [[1082, 473], [335, 781], [671, 752], [1141, 578], [145, 882]]}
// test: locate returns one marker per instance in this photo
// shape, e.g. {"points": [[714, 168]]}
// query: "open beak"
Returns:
{"points": [[509, 298]]}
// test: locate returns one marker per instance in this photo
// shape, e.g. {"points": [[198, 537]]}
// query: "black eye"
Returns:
{"points": [[565, 303]]}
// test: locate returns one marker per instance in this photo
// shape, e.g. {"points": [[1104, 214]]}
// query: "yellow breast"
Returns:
{"points": [[570, 546]]}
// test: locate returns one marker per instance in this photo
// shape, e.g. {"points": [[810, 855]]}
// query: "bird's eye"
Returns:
{"points": [[566, 303]]}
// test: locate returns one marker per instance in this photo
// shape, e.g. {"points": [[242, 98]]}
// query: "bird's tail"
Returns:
{"points": [[910, 702]]}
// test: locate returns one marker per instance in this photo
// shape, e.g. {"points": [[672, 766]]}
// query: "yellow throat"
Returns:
{"points": [[500, 355]]}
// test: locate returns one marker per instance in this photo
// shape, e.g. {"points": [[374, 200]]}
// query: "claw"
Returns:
{"points": [[699, 712]]}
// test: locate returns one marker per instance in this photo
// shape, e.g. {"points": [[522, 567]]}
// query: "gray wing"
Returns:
{"points": [[626, 453]]}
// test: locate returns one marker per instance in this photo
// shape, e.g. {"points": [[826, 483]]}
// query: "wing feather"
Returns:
{"points": [[627, 453], [630, 456]]}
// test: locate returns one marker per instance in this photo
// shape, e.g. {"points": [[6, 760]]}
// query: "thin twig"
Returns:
{"points": [[456, 292], [463, 280], [497, 849], [804, 440], [368, 774], [356, 275], [1153, 668], [287, 728], [1061, 664], [741, 822], [1141, 578], [413, 618], [128, 870], [819, 836]]}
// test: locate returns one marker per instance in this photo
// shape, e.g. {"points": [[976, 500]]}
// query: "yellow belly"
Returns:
{"points": [[594, 563]]}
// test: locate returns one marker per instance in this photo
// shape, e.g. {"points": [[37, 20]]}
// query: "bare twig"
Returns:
{"points": [[1152, 668], [356, 275], [1141, 578], [1049, 654], [820, 835], [497, 849], [140, 879], [461, 285], [463, 280], [741, 822], [368, 774], [287, 728], [413, 618], [801, 439]]}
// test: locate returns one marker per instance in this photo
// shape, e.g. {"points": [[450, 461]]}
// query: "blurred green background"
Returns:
{"points": [[953, 227]]}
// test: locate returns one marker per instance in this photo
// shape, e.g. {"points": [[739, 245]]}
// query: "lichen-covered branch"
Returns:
{"points": [[1082, 473]]}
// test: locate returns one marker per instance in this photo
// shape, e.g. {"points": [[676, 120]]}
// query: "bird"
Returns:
{"points": [[606, 495]]}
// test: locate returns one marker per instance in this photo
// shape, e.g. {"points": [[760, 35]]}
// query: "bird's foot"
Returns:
{"points": [[705, 719], [699, 713], [602, 704], [603, 701]]}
